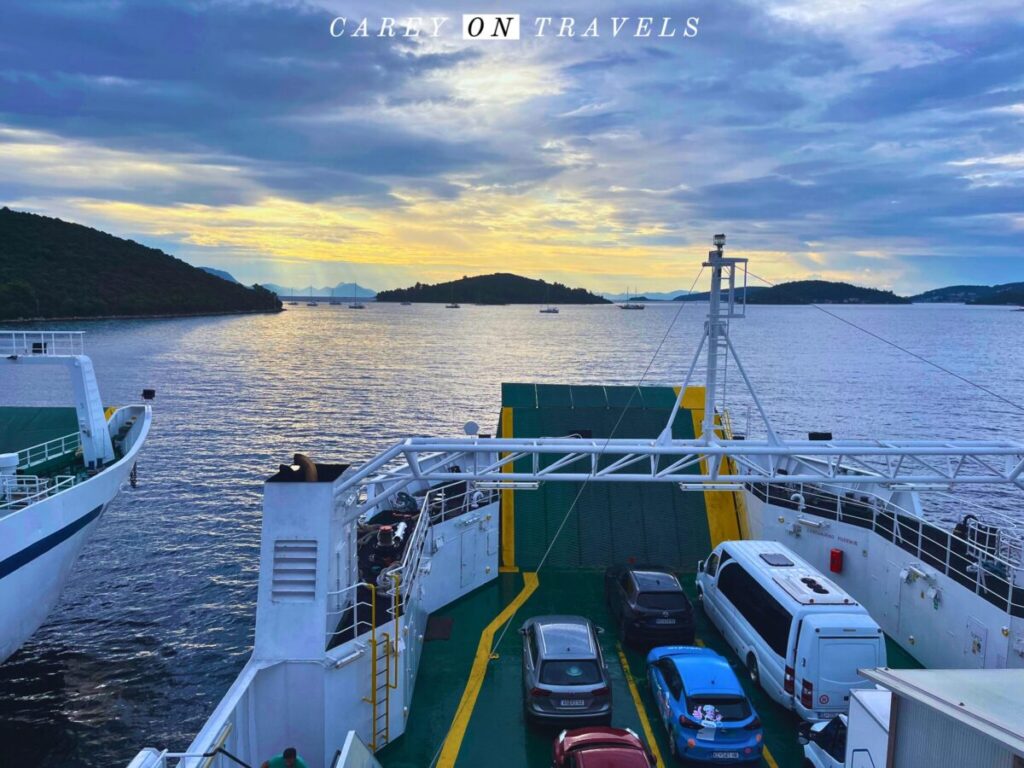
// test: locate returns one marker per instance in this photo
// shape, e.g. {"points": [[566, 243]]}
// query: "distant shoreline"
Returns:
{"points": [[164, 316]]}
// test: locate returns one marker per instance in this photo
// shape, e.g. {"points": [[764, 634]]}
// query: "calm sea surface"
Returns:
{"points": [[158, 616]]}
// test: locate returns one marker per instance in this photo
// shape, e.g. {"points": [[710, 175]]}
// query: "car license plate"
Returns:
{"points": [[725, 755], [572, 703], [664, 621]]}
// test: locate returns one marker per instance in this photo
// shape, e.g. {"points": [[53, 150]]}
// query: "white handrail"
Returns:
{"points": [[43, 452], [47, 343], [22, 490]]}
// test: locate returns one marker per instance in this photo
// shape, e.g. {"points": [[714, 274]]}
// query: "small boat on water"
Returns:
{"points": [[356, 304], [398, 597], [630, 304], [60, 467], [549, 309]]}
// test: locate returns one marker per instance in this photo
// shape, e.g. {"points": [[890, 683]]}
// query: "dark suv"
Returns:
{"points": [[648, 606]]}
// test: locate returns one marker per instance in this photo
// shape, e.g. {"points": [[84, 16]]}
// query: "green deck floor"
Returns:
{"points": [[497, 735]]}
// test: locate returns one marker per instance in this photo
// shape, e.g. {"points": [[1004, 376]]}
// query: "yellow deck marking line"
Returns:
{"points": [[644, 722], [453, 741], [719, 506], [508, 506]]}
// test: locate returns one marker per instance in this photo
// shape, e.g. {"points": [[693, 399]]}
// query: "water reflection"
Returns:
{"points": [[157, 619]]}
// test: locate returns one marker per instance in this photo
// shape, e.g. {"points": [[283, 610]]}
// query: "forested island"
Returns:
{"points": [[811, 292], [53, 269], [1007, 293], [499, 288]]}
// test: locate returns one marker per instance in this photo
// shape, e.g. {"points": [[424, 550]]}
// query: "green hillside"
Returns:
{"points": [[499, 288], [1011, 293], [823, 292], [54, 269]]}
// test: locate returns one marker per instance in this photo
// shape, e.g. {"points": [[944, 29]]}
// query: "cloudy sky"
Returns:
{"points": [[881, 143]]}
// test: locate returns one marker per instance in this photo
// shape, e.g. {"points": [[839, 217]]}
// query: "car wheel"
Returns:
{"points": [[752, 670]]}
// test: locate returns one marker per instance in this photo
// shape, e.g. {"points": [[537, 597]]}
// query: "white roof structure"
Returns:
{"points": [[991, 701]]}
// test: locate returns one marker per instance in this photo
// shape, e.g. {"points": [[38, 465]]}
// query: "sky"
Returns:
{"points": [[878, 143]]}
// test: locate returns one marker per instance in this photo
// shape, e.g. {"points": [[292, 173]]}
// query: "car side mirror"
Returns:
{"points": [[522, 631], [600, 630], [803, 734]]}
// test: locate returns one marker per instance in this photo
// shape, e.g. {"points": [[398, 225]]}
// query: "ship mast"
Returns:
{"points": [[726, 301]]}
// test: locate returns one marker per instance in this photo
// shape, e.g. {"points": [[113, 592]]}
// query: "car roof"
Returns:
{"points": [[564, 637], [705, 672], [656, 581]]}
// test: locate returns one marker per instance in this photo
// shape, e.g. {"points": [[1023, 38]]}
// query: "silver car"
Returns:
{"points": [[565, 679]]}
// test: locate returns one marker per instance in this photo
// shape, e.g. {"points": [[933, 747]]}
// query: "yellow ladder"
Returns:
{"points": [[383, 659]]}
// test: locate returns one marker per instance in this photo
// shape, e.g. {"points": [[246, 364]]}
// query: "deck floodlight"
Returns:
{"points": [[719, 241], [506, 485], [711, 486]]}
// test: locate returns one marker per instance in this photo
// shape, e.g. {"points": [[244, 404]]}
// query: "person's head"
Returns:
{"points": [[289, 756]]}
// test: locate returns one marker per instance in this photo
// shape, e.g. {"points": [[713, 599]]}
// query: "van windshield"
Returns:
{"points": [[662, 601], [584, 672], [723, 708]]}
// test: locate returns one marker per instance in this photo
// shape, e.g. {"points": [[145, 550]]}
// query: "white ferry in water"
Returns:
{"points": [[59, 469], [391, 593]]}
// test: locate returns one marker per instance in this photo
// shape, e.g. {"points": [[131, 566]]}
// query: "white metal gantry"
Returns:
{"points": [[708, 461]]}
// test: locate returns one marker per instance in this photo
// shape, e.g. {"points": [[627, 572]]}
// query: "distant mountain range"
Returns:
{"points": [[341, 290], [221, 274], [55, 269], [645, 296], [499, 288]]}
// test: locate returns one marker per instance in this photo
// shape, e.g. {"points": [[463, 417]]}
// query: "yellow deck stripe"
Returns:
{"points": [[453, 741], [720, 506], [508, 506], [644, 722]]}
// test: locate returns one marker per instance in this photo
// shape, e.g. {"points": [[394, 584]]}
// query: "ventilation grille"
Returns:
{"points": [[294, 570]]}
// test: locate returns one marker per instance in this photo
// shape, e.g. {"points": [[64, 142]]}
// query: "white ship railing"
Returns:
{"points": [[342, 601], [48, 343], [19, 491], [974, 561], [52, 449]]}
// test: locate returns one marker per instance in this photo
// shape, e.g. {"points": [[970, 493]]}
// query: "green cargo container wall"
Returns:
{"points": [[612, 522]]}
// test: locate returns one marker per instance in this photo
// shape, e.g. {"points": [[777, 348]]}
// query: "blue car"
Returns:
{"points": [[703, 706]]}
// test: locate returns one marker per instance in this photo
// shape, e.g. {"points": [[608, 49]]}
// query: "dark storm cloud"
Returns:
{"points": [[250, 82]]}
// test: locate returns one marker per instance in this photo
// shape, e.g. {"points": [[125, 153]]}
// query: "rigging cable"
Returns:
{"points": [[583, 484], [915, 355]]}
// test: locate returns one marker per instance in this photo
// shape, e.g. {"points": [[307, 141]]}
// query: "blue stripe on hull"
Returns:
{"points": [[44, 545]]}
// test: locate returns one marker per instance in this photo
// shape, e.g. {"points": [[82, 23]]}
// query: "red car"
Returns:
{"points": [[601, 748]]}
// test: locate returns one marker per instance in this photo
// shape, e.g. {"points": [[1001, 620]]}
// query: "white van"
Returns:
{"points": [[801, 636]]}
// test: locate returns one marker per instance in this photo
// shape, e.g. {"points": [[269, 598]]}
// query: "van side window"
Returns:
{"points": [[763, 612], [711, 565]]}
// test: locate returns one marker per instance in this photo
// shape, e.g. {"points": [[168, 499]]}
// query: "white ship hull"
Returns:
{"points": [[40, 543]]}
